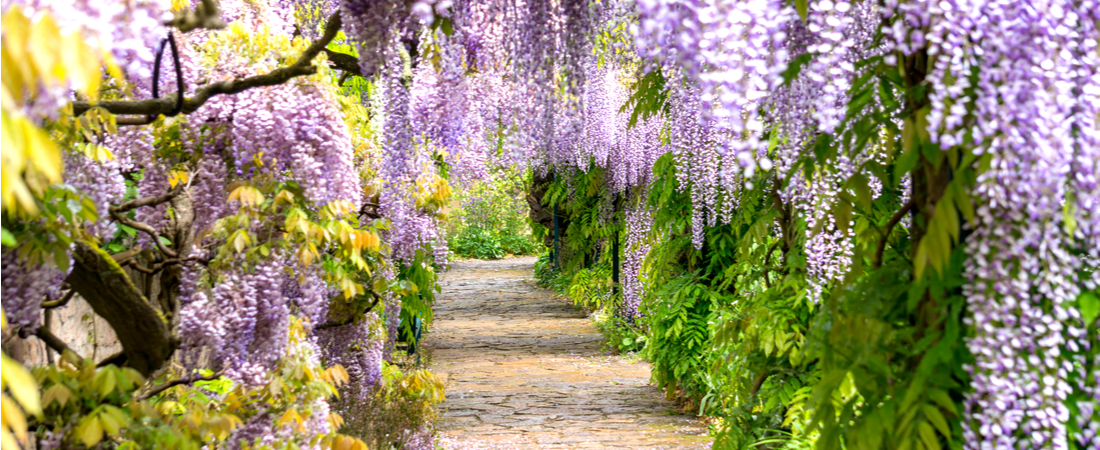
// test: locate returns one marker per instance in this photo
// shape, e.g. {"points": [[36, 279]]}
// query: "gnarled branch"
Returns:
{"points": [[161, 265], [152, 200], [206, 15], [166, 105], [351, 319], [370, 214], [345, 62]]}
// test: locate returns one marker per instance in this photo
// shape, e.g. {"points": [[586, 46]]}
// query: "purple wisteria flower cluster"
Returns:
{"points": [[1031, 106]]}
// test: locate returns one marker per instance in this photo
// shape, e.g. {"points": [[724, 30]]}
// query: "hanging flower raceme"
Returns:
{"points": [[372, 26], [296, 130], [1023, 108], [26, 285], [358, 348], [241, 319], [694, 38]]}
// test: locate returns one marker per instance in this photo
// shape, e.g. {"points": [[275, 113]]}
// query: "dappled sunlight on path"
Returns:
{"points": [[525, 370]]}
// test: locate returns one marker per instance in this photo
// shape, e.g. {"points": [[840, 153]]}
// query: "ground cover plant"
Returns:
{"points": [[837, 224], [490, 218]]}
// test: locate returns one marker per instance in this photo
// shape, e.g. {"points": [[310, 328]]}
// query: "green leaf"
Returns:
{"points": [[117, 416], [1069, 215], [795, 66], [447, 26], [802, 7], [61, 258], [843, 212], [928, 436], [941, 398], [105, 382], [8, 238], [109, 424], [862, 189], [962, 201], [1089, 305], [936, 417]]}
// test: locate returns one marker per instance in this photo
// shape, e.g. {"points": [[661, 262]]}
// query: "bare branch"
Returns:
{"points": [[52, 341], [152, 200], [147, 229], [124, 256], [138, 267], [351, 319], [117, 359], [166, 105], [370, 214], [161, 265], [345, 62], [64, 300], [173, 383], [889, 227]]}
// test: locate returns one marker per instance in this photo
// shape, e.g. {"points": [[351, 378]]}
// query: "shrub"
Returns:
{"points": [[399, 413], [490, 219]]}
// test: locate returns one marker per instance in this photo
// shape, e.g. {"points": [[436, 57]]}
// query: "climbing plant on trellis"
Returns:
{"points": [[867, 223]]}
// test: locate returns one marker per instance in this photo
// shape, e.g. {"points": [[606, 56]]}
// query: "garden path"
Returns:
{"points": [[524, 369]]}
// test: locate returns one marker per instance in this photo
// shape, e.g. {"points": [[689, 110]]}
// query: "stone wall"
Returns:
{"points": [[75, 324]]}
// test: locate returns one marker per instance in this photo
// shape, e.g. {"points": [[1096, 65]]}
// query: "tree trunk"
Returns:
{"points": [[142, 330]]}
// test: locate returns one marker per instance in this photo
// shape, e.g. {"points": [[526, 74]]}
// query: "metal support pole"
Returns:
{"points": [[557, 237], [615, 253]]}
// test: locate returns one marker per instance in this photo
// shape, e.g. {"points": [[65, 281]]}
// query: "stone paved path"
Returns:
{"points": [[524, 369]]}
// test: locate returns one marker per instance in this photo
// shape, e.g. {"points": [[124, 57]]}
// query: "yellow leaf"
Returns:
{"points": [[335, 420], [166, 407], [288, 416], [58, 393], [286, 197], [367, 240], [240, 240], [89, 431], [82, 63], [247, 195], [109, 424], [45, 40], [342, 442], [13, 418], [71, 357], [16, 30], [21, 384], [304, 255], [7, 441], [178, 176], [337, 375]]}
